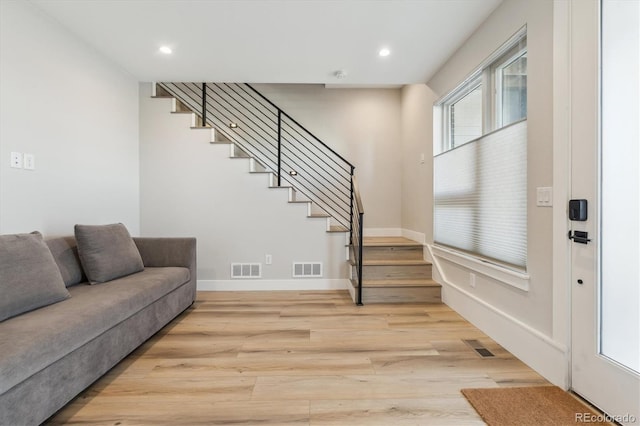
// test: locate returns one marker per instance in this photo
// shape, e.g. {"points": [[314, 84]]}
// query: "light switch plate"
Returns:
{"points": [[544, 196], [29, 162]]}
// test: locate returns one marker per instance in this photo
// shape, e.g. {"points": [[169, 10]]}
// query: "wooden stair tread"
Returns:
{"points": [[394, 262], [390, 242], [319, 215], [337, 228], [401, 283]]}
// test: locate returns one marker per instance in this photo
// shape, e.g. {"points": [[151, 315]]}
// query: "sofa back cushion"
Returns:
{"points": [[65, 253], [107, 252], [29, 276]]}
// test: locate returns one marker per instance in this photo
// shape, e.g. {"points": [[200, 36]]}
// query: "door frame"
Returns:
{"points": [[577, 41]]}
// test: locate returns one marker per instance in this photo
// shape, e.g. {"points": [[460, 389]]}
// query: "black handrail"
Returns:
{"points": [[278, 142], [300, 125]]}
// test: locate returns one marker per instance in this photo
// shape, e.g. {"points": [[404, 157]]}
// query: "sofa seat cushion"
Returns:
{"points": [[32, 341]]}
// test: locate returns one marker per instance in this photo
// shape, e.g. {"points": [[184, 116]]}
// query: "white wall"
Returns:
{"points": [[77, 114], [362, 125], [191, 187], [417, 175], [521, 320]]}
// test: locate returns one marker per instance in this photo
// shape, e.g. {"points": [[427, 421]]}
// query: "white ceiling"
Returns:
{"points": [[275, 41]]}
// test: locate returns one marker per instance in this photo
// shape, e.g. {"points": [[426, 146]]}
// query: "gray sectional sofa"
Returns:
{"points": [[48, 355]]}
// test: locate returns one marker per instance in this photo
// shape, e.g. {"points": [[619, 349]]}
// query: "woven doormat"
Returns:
{"points": [[535, 406]]}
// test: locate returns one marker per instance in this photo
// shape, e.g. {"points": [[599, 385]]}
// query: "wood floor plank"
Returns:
{"points": [[300, 358], [451, 411], [419, 364], [184, 411], [227, 388], [193, 346], [366, 386], [273, 365]]}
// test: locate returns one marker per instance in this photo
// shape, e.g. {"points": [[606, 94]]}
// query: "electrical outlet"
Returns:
{"points": [[472, 279], [16, 160], [268, 259]]}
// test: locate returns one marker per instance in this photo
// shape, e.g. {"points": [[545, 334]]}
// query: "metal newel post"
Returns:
{"points": [[204, 104], [279, 145], [351, 209], [360, 236]]}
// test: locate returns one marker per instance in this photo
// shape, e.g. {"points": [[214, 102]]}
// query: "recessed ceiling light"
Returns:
{"points": [[166, 50], [384, 52]]}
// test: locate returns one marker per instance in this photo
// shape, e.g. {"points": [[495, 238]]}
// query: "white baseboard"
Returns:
{"points": [[382, 232], [548, 357], [421, 238], [273, 285], [414, 235], [352, 291], [395, 232]]}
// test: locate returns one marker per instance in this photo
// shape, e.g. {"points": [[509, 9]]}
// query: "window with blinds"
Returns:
{"points": [[480, 196], [493, 96]]}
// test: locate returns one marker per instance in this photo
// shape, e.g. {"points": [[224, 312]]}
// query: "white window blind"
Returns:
{"points": [[480, 192]]}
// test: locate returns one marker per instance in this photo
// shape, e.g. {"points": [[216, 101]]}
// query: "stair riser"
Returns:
{"points": [[381, 272], [401, 295], [392, 253]]}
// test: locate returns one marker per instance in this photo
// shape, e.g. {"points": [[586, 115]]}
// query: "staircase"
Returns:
{"points": [[255, 167], [275, 140], [394, 271], [383, 269]]}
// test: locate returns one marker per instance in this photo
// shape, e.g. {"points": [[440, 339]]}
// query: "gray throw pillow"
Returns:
{"points": [[65, 253], [107, 252], [29, 276]]}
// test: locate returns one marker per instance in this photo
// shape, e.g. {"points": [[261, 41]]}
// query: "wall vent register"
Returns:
{"points": [[246, 270], [307, 269]]}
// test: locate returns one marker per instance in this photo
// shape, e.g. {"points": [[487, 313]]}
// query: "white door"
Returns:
{"points": [[605, 294]]}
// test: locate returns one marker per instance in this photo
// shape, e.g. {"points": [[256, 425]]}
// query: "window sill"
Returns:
{"points": [[519, 280]]}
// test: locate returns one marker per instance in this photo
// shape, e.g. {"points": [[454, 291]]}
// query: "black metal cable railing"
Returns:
{"points": [[283, 146]]}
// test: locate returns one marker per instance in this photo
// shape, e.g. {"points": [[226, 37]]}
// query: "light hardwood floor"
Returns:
{"points": [[307, 358]]}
